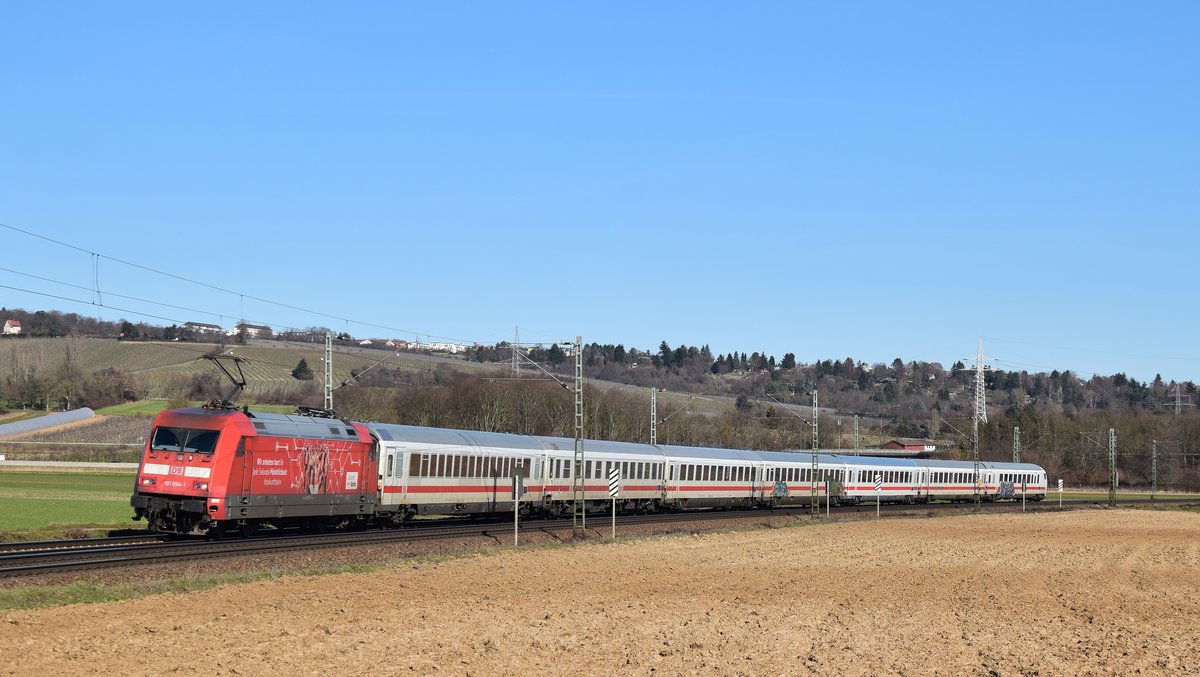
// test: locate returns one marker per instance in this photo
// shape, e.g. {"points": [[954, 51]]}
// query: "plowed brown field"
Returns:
{"points": [[1096, 592]]}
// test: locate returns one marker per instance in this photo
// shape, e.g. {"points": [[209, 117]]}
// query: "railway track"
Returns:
{"points": [[124, 552], [42, 557]]}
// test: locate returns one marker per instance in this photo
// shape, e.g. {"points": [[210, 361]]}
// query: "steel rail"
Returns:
{"points": [[34, 558]]}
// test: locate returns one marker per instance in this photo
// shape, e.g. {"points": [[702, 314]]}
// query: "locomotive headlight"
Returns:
{"points": [[148, 481], [202, 486]]}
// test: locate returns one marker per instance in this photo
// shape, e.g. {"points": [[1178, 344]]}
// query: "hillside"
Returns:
{"points": [[734, 400], [165, 370]]}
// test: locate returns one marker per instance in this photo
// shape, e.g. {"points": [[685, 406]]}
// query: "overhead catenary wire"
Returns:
{"points": [[96, 256]]}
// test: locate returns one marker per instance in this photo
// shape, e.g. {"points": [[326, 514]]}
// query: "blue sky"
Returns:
{"points": [[866, 180]]}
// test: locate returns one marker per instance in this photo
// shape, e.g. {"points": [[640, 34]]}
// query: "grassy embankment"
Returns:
{"points": [[48, 505]]}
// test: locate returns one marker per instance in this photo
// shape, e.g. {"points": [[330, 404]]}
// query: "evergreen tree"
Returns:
{"points": [[302, 372]]}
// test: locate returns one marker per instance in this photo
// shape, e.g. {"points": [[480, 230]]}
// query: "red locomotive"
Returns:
{"points": [[212, 470]]}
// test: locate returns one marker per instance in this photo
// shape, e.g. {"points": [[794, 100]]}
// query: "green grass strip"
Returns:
{"points": [[48, 505]]}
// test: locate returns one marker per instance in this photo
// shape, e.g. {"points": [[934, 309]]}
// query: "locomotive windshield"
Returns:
{"points": [[186, 440]]}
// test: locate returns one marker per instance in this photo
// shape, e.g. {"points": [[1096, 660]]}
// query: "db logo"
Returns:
{"points": [[177, 470]]}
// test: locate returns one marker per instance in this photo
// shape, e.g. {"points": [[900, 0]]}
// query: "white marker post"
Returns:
{"points": [[614, 488], [827, 498], [1024, 488], [878, 493], [1060, 494]]}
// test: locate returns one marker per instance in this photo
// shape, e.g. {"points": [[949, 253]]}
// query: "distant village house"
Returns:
{"points": [[203, 328], [910, 444], [12, 327], [251, 330]]}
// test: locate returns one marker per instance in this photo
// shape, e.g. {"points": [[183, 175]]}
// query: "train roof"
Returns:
{"points": [[448, 436], [799, 457], [707, 453], [528, 443], [539, 443], [970, 465], [275, 425], [289, 425], [873, 461]]}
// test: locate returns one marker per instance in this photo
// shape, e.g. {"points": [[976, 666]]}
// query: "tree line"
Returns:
{"points": [[1058, 412]]}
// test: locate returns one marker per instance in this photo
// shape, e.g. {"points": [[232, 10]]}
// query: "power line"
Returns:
{"points": [[96, 256], [122, 296], [89, 303]]}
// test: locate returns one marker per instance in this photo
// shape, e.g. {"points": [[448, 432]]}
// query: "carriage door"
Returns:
{"points": [[387, 472], [247, 479]]}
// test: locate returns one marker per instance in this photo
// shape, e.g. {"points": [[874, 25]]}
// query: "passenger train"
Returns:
{"points": [[215, 471]]}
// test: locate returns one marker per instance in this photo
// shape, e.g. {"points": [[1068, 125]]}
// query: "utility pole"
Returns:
{"points": [[816, 505], [516, 363], [329, 371], [579, 509], [856, 442], [980, 414], [654, 416], [1112, 467], [1016, 444], [1153, 468]]}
